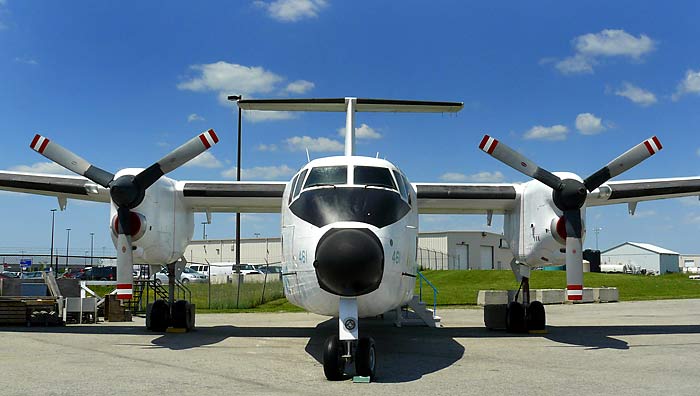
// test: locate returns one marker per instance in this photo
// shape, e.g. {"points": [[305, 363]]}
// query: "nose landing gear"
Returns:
{"points": [[339, 351]]}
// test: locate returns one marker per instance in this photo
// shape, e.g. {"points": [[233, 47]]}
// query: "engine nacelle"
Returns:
{"points": [[536, 229], [162, 224]]}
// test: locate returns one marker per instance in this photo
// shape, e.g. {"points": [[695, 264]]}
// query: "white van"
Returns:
{"points": [[223, 272]]}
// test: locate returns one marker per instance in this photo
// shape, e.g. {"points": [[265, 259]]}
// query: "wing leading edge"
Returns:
{"points": [[243, 197], [458, 198]]}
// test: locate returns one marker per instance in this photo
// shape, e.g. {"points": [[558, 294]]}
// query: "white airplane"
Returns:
{"points": [[349, 223]]}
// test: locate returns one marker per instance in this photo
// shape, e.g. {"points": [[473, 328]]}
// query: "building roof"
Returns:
{"points": [[645, 246]]}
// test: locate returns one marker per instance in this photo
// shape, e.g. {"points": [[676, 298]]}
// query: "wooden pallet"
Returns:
{"points": [[13, 312]]}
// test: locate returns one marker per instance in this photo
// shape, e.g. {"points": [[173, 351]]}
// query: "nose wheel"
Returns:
{"points": [[342, 350], [337, 355]]}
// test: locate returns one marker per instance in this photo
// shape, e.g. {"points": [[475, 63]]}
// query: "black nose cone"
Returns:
{"points": [[349, 261]]}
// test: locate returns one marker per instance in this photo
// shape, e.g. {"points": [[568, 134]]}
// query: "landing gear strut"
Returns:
{"points": [[525, 316], [163, 314], [341, 350]]}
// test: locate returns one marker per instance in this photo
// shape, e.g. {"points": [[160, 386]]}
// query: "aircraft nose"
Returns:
{"points": [[349, 261]]}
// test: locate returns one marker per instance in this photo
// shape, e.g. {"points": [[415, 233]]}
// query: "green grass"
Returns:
{"points": [[455, 288], [461, 287]]}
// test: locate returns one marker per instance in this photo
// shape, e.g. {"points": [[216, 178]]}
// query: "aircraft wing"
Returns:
{"points": [[231, 196], [464, 198], [615, 192], [61, 186]]}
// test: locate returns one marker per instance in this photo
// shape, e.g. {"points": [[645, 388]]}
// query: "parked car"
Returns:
{"points": [[32, 275], [269, 269], [188, 275], [9, 274], [73, 273], [98, 273]]}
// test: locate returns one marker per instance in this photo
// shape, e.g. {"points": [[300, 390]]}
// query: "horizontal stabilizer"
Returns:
{"points": [[339, 105]]}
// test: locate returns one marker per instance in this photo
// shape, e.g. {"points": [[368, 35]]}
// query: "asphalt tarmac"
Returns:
{"points": [[632, 348]]}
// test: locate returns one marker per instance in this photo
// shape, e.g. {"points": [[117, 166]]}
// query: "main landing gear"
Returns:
{"points": [[340, 351], [162, 314], [525, 316]]}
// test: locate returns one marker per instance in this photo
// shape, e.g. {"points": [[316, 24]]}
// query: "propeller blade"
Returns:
{"points": [[125, 258], [176, 158], [70, 161], [626, 161], [574, 255], [518, 162]]}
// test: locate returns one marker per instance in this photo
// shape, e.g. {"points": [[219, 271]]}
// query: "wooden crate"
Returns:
{"points": [[13, 312]]}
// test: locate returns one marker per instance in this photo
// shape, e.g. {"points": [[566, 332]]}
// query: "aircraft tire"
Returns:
{"points": [[160, 315], [535, 317], [366, 358], [180, 314], [333, 364], [515, 318]]}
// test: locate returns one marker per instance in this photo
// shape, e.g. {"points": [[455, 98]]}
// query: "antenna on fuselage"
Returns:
{"points": [[308, 157]]}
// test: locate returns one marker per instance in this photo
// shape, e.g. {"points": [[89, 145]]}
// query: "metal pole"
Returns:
{"points": [[238, 215], [92, 247], [67, 242], [51, 264], [204, 230]]}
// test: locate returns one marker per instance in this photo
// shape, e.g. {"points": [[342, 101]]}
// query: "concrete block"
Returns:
{"points": [[488, 297], [606, 294], [550, 296], [495, 316], [587, 296], [511, 295]]}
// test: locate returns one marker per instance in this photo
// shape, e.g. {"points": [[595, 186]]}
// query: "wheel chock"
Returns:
{"points": [[176, 330], [538, 332], [358, 379]]}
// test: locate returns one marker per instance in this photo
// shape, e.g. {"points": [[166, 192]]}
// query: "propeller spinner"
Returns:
{"points": [[569, 195], [126, 191]]}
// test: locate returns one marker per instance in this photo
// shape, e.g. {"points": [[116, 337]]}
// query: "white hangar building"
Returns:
{"points": [[646, 256], [436, 250]]}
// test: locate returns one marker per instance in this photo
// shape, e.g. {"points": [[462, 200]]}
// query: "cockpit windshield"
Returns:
{"points": [[327, 176], [374, 176]]}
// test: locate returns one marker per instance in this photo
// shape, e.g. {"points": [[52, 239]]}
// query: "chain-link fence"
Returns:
{"points": [[434, 260]]}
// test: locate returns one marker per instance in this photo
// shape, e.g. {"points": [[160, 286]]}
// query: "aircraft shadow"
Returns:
{"points": [[403, 354]]}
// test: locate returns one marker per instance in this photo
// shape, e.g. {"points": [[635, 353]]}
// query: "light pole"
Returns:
{"points": [[204, 230], [67, 244], [256, 234], [597, 231], [237, 98], [53, 218], [92, 247]]}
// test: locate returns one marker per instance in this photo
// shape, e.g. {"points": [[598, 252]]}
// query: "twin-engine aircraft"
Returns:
{"points": [[349, 223]]}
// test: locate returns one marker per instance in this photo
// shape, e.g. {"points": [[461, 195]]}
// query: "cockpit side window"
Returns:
{"points": [[374, 176], [402, 186], [294, 186], [327, 175], [300, 182], [408, 187]]}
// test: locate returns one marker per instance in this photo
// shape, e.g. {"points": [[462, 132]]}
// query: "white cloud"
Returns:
{"points": [[364, 131], [26, 61], [261, 116], [261, 172], [576, 64], [554, 132], [591, 47], [321, 145], [267, 147], [589, 124], [292, 10], [231, 78], [689, 85], [613, 42], [204, 160], [42, 167], [480, 177], [195, 117], [636, 94], [299, 86]]}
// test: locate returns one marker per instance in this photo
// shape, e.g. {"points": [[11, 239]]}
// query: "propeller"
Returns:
{"points": [[126, 191], [569, 195]]}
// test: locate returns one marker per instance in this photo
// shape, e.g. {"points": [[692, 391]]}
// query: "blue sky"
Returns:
{"points": [[569, 85]]}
